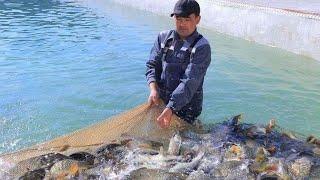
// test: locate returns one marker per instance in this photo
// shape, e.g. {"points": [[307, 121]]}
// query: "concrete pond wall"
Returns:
{"points": [[292, 30]]}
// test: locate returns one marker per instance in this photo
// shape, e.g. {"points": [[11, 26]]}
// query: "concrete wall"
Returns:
{"points": [[298, 32]]}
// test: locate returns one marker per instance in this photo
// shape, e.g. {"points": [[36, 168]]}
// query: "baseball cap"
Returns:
{"points": [[184, 8]]}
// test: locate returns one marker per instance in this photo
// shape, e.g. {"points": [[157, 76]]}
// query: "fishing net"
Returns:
{"points": [[137, 122]]}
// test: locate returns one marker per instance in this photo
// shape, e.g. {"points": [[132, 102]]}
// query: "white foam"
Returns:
{"points": [[4, 168]]}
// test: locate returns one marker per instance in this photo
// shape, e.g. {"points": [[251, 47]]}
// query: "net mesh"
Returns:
{"points": [[137, 122]]}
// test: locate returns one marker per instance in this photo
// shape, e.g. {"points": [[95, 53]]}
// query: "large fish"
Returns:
{"points": [[175, 144], [155, 174], [188, 166], [35, 163]]}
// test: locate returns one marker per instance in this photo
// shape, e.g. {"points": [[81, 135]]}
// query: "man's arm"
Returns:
{"points": [[152, 64], [192, 77], [154, 96]]}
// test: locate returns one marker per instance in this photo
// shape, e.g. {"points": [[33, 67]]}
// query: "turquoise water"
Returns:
{"points": [[66, 65]]}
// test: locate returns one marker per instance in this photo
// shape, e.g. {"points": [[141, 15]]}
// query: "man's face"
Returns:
{"points": [[185, 26]]}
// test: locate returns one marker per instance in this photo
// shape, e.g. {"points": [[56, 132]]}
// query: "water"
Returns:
{"points": [[65, 65]]}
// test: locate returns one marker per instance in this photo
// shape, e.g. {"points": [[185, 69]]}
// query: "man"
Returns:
{"points": [[177, 65]]}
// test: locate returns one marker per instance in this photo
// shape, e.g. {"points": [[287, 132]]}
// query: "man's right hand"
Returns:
{"points": [[154, 96]]}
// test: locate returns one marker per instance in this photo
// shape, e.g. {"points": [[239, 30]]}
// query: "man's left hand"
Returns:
{"points": [[165, 118]]}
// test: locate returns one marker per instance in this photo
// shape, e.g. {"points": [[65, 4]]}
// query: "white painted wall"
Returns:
{"points": [[292, 31]]}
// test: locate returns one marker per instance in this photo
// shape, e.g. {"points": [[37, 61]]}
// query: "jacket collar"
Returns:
{"points": [[189, 39]]}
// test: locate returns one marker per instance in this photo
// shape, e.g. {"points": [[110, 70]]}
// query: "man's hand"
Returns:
{"points": [[165, 118], [154, 96]]}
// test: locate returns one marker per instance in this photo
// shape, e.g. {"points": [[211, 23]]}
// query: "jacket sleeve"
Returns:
{"points": [[192, 78], [152, 63]]}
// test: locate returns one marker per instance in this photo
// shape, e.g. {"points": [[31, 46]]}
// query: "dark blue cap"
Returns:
{"points": [[184, 8]]}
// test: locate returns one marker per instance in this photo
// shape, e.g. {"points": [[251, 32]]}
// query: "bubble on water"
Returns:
{"points": [[10, 144], [3, 121]]}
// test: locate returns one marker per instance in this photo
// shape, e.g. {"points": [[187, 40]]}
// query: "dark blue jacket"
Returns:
{"points": [[179, 78]]}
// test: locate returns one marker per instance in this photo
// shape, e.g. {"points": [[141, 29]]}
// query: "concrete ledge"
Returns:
{"points": [[289, 29]]}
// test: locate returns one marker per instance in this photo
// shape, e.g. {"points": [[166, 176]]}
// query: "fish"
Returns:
{"points": [[256, 131], [35, 174], [195, 175], [190, 135], [33, 164], [261, 155], [290, 135], [64, 168], [270, 125], [313, 140], [188, 166], [228, 150], [301, 167], [231, 170], [234, 152], [108, 147], [175, 144], [315, 172], [133, 142], [316, 151], [189, 146], [156, 174], [234, 122], [83, 157], [208, 163]]}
